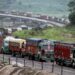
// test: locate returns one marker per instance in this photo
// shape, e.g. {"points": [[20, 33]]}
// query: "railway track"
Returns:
{"points": [[15, 70]]}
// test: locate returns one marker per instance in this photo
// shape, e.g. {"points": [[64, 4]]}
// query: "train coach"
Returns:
{"points": [[5, 46], [17, 46], [33, 48], [64, 54], [41, 49]]}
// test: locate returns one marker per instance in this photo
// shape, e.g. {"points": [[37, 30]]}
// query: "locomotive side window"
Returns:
{"points": [[73, 53], [23, 45], [6, 43]]}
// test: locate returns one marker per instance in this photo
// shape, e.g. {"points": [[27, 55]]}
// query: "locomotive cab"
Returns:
{"points": [[74, 53], [48, 46], [5, 46], [73, 57]]}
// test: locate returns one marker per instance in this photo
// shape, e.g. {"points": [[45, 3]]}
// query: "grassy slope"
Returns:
{"points": [[66, 34]]}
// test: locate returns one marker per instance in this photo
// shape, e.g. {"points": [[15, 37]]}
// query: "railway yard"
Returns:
{"points": [[35, 56]]}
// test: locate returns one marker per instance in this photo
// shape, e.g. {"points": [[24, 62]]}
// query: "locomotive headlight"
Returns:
{"points": [[71, 55]]}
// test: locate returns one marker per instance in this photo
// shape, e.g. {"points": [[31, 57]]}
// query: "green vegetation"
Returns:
{"points": [[56, 33], [72, 11]]}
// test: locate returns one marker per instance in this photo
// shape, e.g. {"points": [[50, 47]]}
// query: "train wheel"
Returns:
{"points": [[57, 62], [13, 54], [73, 65], [22, 56], [29, 57]]}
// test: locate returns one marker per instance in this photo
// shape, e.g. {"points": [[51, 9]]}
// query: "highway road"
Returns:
{"points": [[46, 65], [33, 19]]}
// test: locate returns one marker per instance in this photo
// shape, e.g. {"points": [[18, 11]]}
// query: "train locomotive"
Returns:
{"points": [[64, 54], [40, 50]]}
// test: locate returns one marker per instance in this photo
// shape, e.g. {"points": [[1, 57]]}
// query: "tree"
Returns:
{"points": [[72, 11], [72, 17], [71, 6]]}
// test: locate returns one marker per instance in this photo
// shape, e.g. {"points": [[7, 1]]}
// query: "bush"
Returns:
{"points": [[72, 18]]}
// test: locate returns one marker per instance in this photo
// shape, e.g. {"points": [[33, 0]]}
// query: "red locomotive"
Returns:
{"points": [[64, 54]]}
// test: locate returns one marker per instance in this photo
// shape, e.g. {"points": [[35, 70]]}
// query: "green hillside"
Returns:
{"points": [[56, 33]]}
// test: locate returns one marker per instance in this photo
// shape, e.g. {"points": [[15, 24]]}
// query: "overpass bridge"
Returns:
{"points": [[51, 23]]}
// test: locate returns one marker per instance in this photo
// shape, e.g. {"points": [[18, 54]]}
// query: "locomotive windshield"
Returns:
{"points": [[74, 53], [6, 43]]}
